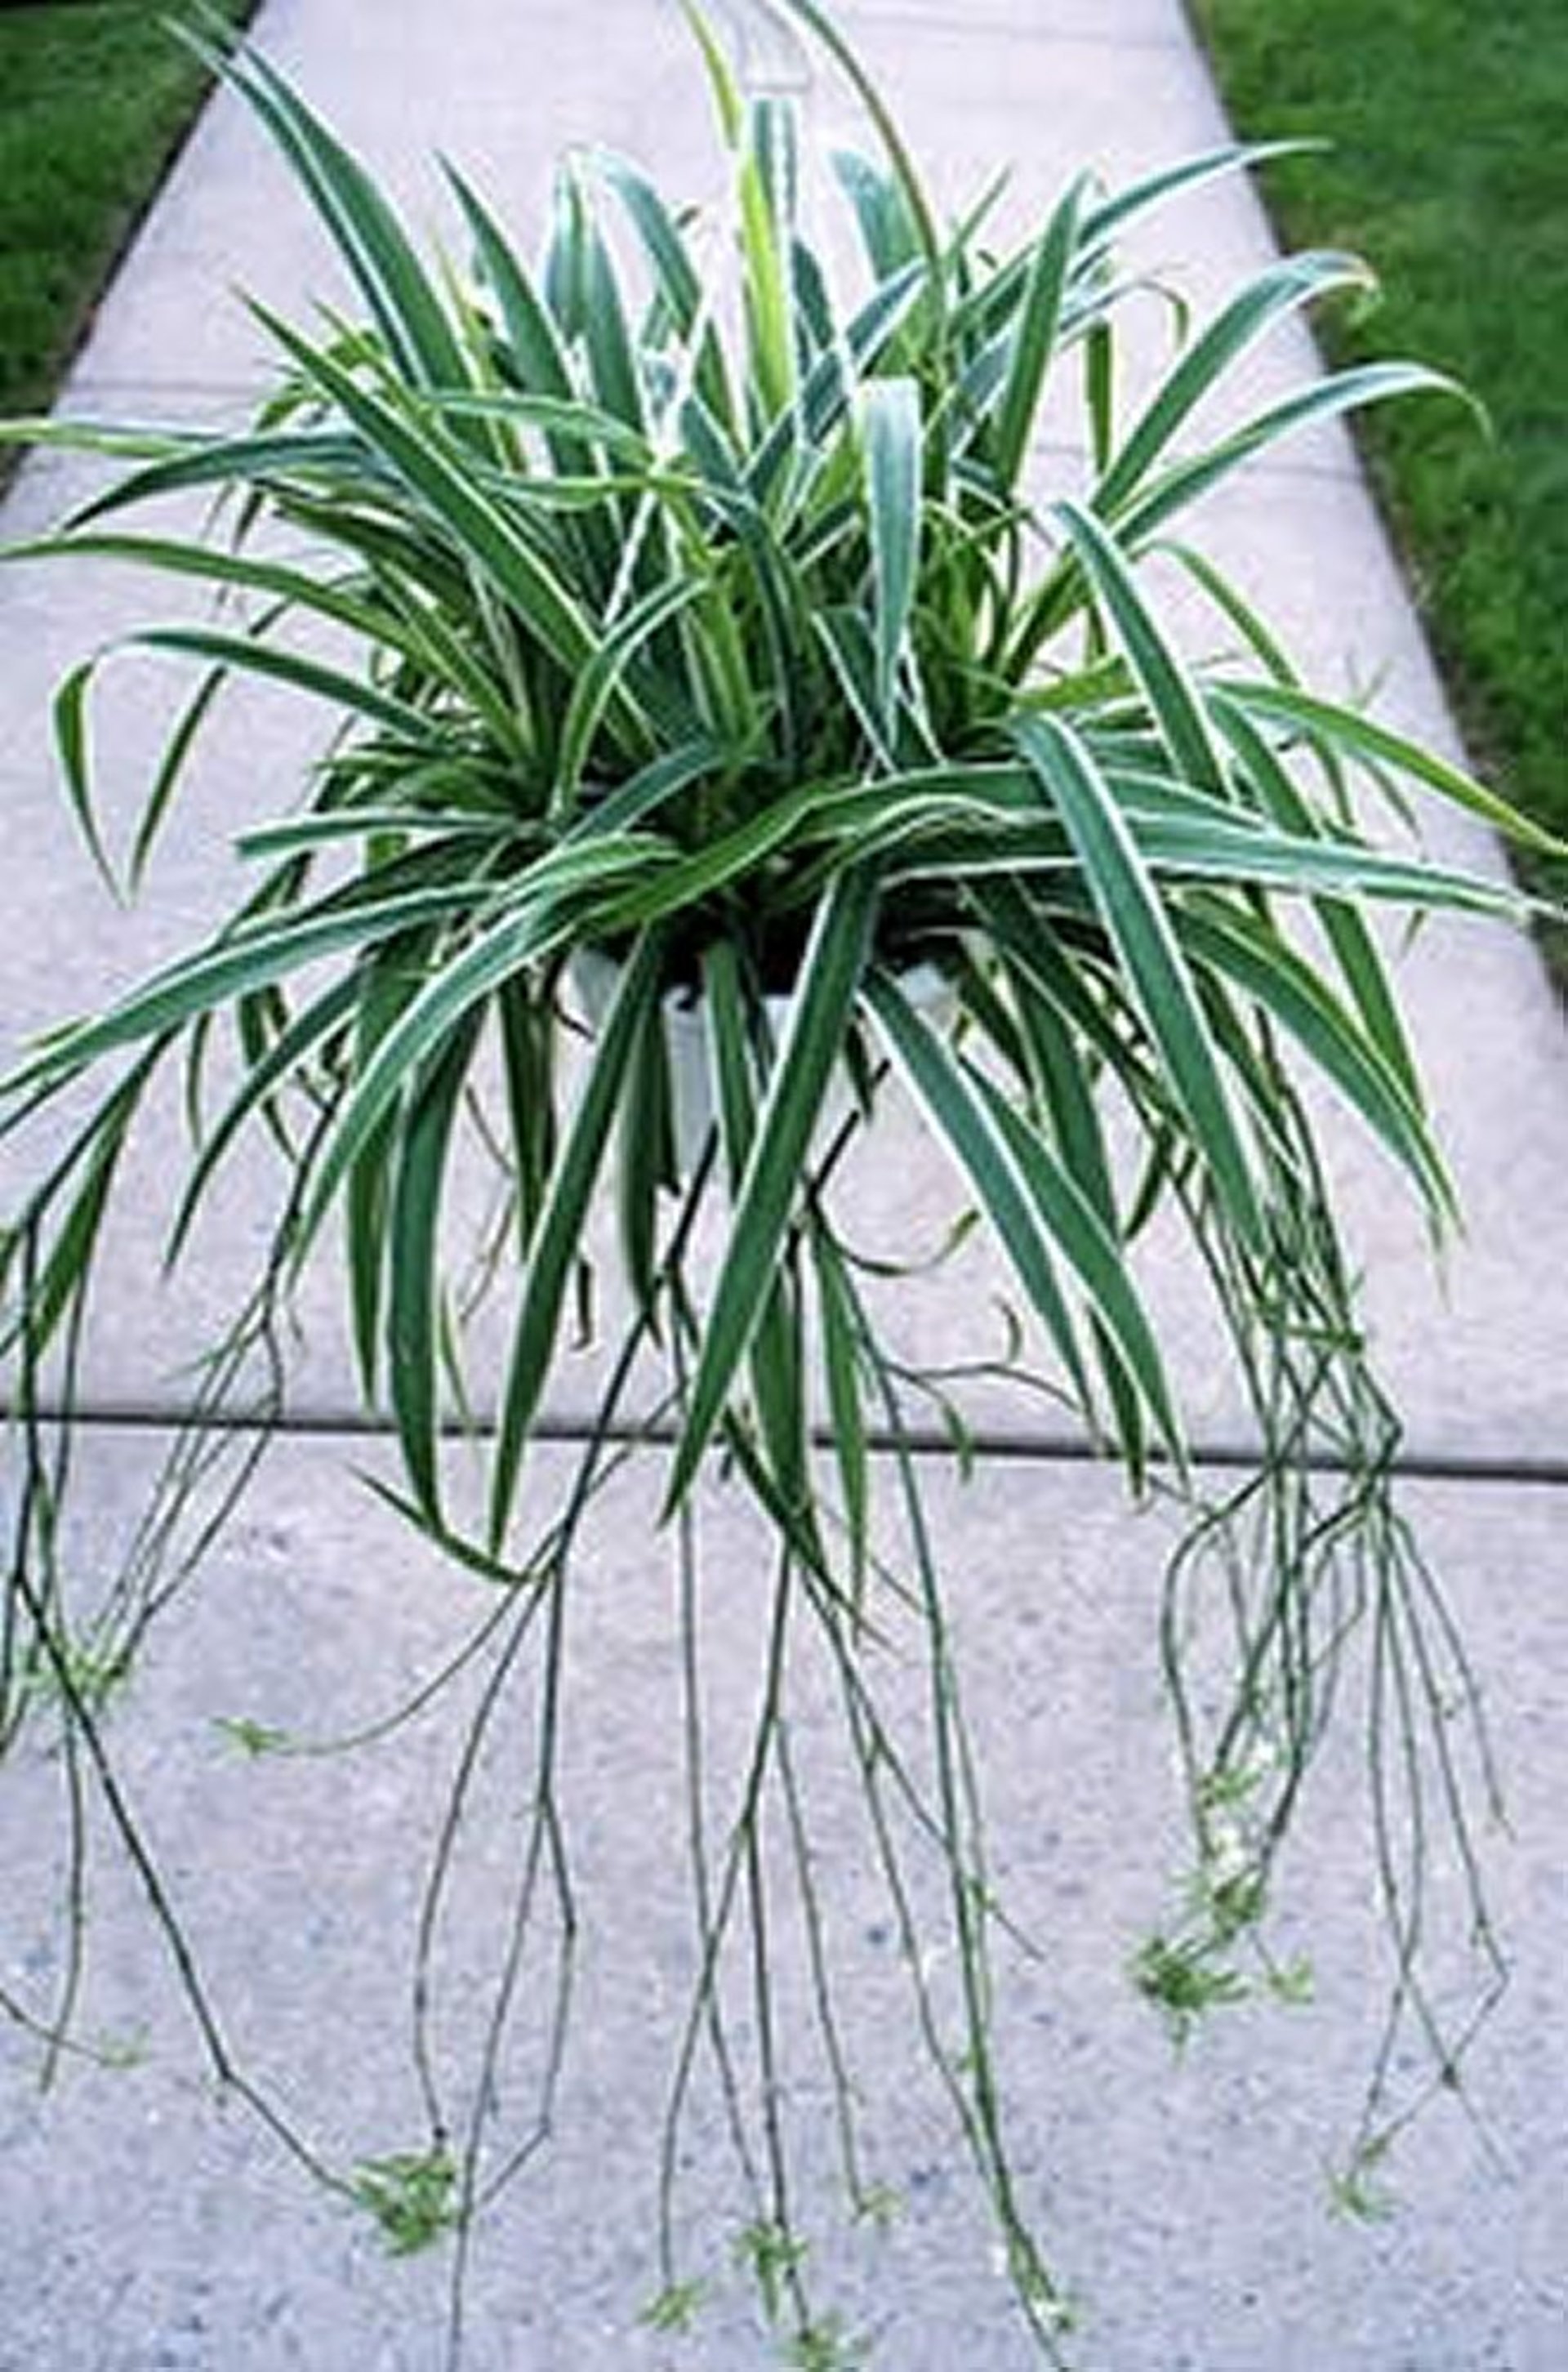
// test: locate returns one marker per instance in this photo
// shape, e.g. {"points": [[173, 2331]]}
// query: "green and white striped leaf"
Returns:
{"points": [[966, 1119], [365, 231], [891, 419], [1129, 905], [1347, 733], [1255, 960], [819, 1011], [1034, 335], [424, 1141], [1283, 287], [232, 966], [1175, 709], [558, 1239]]}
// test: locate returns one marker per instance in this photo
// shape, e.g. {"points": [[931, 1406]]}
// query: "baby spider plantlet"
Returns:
{"points": [[252, 1739], [677, 2307], [824, 2347], [82, 1673], [774, 2257], [1295, 1982], [412, 2197], [1185, 1983], [1356, 2191], [879, 2205]]}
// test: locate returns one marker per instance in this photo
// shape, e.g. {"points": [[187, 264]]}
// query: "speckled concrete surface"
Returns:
{"points": [[1185, 2197]]}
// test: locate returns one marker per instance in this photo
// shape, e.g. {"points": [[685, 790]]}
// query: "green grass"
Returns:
{"points": [[94, 100], [1448, 168]]}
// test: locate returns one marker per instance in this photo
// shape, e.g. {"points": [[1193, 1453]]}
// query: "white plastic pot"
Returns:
{"points": [[595, 978]]}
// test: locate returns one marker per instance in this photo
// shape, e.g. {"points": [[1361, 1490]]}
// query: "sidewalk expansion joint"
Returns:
{"points": [[1004, 1444], [1004, 28]]}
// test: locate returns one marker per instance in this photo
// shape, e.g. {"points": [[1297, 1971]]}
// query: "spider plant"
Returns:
{"points": [[676, 609]]}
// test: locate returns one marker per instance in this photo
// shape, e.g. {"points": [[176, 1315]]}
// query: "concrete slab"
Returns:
{"points": [[971, 99], [1184, 2199], [1112, 24], [180, 345], [1470, 1350], [1301, 537], [1474, 1353], [1489, 1029]]}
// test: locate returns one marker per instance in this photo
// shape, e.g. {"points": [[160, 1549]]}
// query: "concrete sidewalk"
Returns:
{"points": [[139, 2226]]}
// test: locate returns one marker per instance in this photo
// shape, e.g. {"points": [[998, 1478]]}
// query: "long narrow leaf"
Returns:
{"points": [[1178, 713], [1349, 734], [71, 740], [1139, 517], [1034, 337], [324, 1014], [393, 282], [1283, 287], [1062, 1083], [775, 1355], [486, 533], [1280, 981], [1129, 906], [819, 1012], [597, 686], [413, 1235], [245, 655], [891, 419], [1113, 213], [1361, 966], [558, 1239], [947, 1092], [1089, 1246], [531, 926], [232, 966]]}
